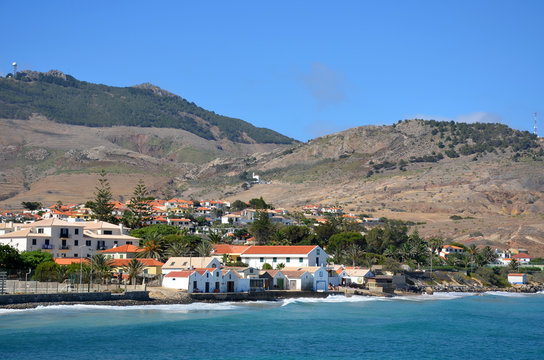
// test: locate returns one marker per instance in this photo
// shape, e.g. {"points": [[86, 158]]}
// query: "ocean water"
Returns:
{"points": [[440, 326]]}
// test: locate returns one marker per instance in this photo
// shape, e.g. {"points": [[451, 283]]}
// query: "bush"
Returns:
{"points": [[267, 266]]}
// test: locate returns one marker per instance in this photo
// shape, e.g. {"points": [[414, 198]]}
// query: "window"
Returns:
{"points": [[33, 241], [46, 241], [299, 259], [274, 259], [320, 274], [129, 242], [76, 255], [76, 231], [288, 259], [172, 263], [115, 243], [108, 232], [76, 242], [120, 256], [40, 230], [262, 259], [317, 251], [87, 242]]}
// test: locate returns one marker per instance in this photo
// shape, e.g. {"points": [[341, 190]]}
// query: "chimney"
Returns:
{"points": [[121, 228]]}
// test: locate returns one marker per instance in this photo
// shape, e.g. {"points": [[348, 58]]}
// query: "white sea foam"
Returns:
{"points": [[178, 308], [511, 294], [333, 299], [435, 296]]}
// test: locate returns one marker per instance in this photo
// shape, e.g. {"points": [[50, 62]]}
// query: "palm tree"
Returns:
{"points": [[354, 253], [101, 266], [204, 248], [177, 249], [134, 269], [153, 247], [473, 253], [514, 265], [280, 266], [214, 237], [225, 259], [391, 251]]}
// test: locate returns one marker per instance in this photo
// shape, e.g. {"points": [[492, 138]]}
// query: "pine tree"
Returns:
{"points": [[102, 206], [139, 205]]}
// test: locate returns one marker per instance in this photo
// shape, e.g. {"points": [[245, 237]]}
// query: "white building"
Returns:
{"points": [[299, 280], [190, 263], [67, 239], [517, 278], [357, 276], [319, 273], [290, 256], [450, 249]]}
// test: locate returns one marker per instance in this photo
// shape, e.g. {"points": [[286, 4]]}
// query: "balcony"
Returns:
{"points": [[64, 235], [64, 247], [100, 247], [47, 246]]}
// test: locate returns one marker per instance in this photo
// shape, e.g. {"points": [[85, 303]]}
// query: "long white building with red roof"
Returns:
{"points": [[298, 255]]}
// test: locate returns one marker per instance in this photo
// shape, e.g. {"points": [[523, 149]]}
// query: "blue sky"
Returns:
{"points": [[304, 69]]}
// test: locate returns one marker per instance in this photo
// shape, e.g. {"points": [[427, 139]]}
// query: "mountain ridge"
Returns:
{"points": [[64, 99]]}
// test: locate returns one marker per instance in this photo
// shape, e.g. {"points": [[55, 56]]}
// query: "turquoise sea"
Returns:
{"points": [[441, 326]]}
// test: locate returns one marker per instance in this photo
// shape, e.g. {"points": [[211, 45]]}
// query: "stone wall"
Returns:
{"points": [[72, 297]]}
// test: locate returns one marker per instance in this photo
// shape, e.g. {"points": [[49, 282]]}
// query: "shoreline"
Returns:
{"points": [[185, 300]]}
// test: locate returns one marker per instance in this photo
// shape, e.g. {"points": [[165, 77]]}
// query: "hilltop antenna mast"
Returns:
{"points": [[14, 69], [535, 126]]}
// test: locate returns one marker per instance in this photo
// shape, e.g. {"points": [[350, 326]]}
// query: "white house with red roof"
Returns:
{"points": [[197, 280], [297, 255], [190, 263], [233, 251], [523, 258], [122, 252], [517, 278], [320, 276], [450, 249]]}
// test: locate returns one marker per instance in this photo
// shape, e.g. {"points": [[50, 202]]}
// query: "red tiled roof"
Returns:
{"points": [[68, 261], [229, 249], [453, 247], [183, 273], [124, 249], [522, 256], [144, 261], [295, 249]]}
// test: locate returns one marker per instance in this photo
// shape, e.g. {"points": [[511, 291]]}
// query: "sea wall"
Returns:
{"points": [[72, 297], [261, 296]]}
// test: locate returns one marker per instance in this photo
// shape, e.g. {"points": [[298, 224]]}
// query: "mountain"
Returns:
{"points": [[471, 183], [64, 99]]}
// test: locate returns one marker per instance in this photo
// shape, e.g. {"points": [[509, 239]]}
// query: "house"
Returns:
{"points": [[337, 277], [151, 269], [234, 252], [187, 263], [319, 273], [233, 282], [298, 255], [381, 284], [300, 280], [523, 258], [273, 279], [450, 249], [357, 276], [517, 278], [122, 252], [6, 228], [196, 280]]}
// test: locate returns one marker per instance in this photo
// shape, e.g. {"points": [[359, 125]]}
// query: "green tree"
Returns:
{"points": [[31, 205], [139, 205], [267, 266], [45, 271], [204, 249], [102, 206], [153, 247], [177, 249], [259, 203], [134, 268], [262, 228], [238, 205], [280, 266], [31, 259], [101, 266], [10, 258], [514, 265], [354, 253]]}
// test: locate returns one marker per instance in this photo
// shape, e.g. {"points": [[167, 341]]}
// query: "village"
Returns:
{"points": [[226, 255]]}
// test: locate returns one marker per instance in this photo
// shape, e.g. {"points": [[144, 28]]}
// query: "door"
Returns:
{"points": [[230, 286], [280, 284], [321, 285], [207, 287], [217, 286], [292, 284]]}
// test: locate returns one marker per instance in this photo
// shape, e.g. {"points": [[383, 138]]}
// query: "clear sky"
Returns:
{"points": [[303, 68]]}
